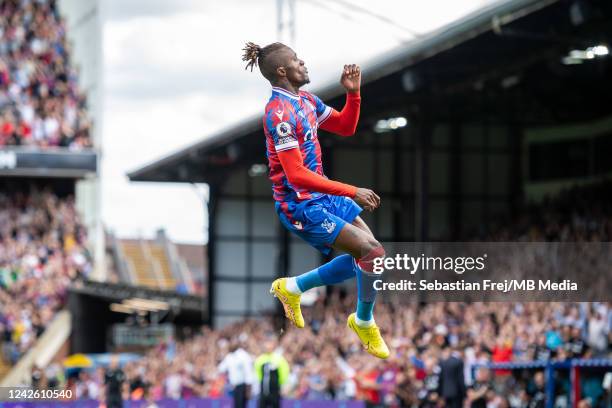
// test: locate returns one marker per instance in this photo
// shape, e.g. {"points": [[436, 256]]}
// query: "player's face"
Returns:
{"points": [[297, 73]]}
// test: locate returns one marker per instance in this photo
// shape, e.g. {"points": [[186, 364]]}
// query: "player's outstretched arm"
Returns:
{"points": [[344, 123], [302, 177]]}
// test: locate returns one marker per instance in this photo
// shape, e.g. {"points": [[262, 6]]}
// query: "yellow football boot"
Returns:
{"points": [[370, 338], [290, 301]]}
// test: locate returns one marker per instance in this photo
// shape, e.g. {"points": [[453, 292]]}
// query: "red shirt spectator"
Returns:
{"points": [[367, 384], [502, 353]]}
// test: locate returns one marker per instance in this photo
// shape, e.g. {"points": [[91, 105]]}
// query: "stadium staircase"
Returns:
{"points": [[180, 267], [44, 351], [161, 264]]}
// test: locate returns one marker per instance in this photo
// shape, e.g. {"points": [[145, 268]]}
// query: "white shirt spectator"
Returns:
{"points": [[51, 127], [607, 382], [93, 389], [38, 129], [27, 112], [174, 385], [38, 46], [597, 336], [239, 367]]}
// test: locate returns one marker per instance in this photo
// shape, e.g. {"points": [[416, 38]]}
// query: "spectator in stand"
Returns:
{"points": [[452, 381], [502, 353], [368, 388], [541, 352], [537, 391], [407, 388], [114, 380], [478, 392], [598, 330], [606, 385], [575, 346]]}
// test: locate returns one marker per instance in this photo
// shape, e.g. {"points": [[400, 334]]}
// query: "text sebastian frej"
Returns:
{"points": [[505, 286], [459, 265]]}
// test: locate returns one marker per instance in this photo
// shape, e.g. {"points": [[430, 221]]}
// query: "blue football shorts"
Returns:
{"points": [[318, 221]]}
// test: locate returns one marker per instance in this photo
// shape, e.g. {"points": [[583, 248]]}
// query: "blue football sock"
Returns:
{"points": [[337, 270], [366, 294], [309, 280], [365, 310]]}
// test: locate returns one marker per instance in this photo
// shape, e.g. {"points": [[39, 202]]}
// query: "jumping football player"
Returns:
{"points": [[323, 212]]}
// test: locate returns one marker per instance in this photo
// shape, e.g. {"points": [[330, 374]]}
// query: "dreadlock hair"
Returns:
{"points": [[264, 57]]}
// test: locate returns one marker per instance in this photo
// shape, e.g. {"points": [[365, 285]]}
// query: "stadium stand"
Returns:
{"points": [[158, 263], [581, 213], [45, 131], [40, 103], [42, 251], [328, 365]]}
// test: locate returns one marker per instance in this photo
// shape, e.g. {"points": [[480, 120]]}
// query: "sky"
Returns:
{"points": [[173, 75]]}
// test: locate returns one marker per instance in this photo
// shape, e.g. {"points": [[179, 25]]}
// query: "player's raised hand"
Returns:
{"points": [[351, 78], [367, 198]]}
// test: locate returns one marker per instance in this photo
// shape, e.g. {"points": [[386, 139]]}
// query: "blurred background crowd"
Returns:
{"points": [[40, 104], [325, 363], [576, 214], [42, 251]]}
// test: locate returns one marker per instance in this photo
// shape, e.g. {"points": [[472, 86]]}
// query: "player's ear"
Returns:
{"points": [[281, 72]]}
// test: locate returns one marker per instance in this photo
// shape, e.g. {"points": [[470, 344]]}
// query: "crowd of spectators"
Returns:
{"points": [[40, 103], [577, 214], [573, 231], [41, 252], [327, 363]]}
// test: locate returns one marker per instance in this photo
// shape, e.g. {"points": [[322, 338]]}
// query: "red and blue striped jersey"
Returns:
{"points": [[291, 122]]}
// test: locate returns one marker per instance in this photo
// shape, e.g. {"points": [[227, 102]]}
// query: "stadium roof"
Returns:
{"points": [[427, 60]]}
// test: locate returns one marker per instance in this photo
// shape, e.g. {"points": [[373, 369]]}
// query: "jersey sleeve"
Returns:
{"points": [[280, 125], [344, 123], [323, 111]]}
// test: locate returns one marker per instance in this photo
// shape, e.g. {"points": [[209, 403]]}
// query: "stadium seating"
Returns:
{"points": [[148, 264], [162, 266], [42, 251]]}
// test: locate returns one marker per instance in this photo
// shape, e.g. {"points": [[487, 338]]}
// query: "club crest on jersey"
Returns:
{"points": [[329, 226], [279, 114], [311, 134], [283, 129]]}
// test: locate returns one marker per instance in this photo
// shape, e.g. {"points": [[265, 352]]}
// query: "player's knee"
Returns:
{"points": [[372, 249], [372, 252]]}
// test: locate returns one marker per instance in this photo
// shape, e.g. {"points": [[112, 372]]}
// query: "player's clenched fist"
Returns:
{"points": [[367, 198], [351, 78]]}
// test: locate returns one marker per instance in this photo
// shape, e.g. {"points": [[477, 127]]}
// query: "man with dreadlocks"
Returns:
{"points": [[323, 212]]}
